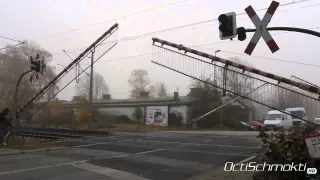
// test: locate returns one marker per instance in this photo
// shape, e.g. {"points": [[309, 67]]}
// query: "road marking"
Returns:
{"points": [[123, 155], [207, 140], [145, 152], [82, 140], [79, 140], [247, 159], [60, 148], [56, 165], [112, 173], [197, 144], [94, 144], [39, 167], [20, 156], [231, 154], [260, 146]]}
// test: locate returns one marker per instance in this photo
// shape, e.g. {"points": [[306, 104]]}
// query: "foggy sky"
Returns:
{"points": [[39, 21]]}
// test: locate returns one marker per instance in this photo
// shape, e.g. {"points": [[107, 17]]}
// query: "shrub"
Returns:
{"points": [[284, 148], [122, 119], [82, 112]]}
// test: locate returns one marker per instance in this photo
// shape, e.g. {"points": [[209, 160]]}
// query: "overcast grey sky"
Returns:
{"points": [[40, 20]]}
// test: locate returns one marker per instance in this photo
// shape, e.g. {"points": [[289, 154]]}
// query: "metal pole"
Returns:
{"points": [[215, 68], [215, 82], [90, 120], [14, 105], [214, 110], [221, 118]]}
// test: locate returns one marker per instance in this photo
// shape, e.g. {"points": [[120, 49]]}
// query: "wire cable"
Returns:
{"points": [[274, 59], [9, 46], [190, 26], [3, 37], [73, 59], [197, 46], [112, 19]]}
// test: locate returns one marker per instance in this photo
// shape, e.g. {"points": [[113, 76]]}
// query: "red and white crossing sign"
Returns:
{"points": [[261, 27]]}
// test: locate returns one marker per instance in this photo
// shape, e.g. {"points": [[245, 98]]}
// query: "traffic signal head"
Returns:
{"points": [[241, 34], [227, 26], [35, 64]]}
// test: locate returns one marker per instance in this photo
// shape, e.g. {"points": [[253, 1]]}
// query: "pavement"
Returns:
{"points": [[134, 156]]}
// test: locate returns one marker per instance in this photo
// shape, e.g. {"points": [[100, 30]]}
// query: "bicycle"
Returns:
{"points": [[13, 139]]}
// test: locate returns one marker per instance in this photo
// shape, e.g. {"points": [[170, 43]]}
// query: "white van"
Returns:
{"points": [[276, 119], [317, 120], [299, 112]]}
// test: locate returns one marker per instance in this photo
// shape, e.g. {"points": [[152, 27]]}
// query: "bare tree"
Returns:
{"points": [[283, 98], [152, 89], [139, 82], [157, 90], [236, 81], [100, 87], [162, 90], [17, 62], [206, 98]]}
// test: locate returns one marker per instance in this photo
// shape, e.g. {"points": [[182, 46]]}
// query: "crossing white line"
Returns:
{"points": [[39, 167], [247, 159], [112, 173], [199, 144], [145, 152], [56, 165], [204, 152]]}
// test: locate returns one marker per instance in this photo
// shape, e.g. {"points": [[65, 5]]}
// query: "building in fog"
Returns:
{"points": [[173, 104], [154, 110]]}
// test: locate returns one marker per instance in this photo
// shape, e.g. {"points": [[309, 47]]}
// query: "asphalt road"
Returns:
{"points": [[156, 156]]}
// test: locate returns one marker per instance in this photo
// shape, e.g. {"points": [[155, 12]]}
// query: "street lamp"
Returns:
{"points": [[215, 53], [215, 68], [215, 83]]}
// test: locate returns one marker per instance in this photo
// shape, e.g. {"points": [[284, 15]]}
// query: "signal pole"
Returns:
{"points": [[90, 119], [14, 104], [37, 66]]}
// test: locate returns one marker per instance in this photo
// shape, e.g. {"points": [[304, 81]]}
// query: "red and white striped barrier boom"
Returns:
{"points": [[304, 86]]}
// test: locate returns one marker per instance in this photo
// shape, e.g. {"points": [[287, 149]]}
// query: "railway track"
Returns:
{"points": [[55, 133]]}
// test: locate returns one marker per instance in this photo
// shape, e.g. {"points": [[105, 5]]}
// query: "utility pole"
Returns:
{"points": [[90, 120]]}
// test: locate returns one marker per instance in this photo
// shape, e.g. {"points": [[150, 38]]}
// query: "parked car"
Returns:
{"points": [[252, 125]]}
